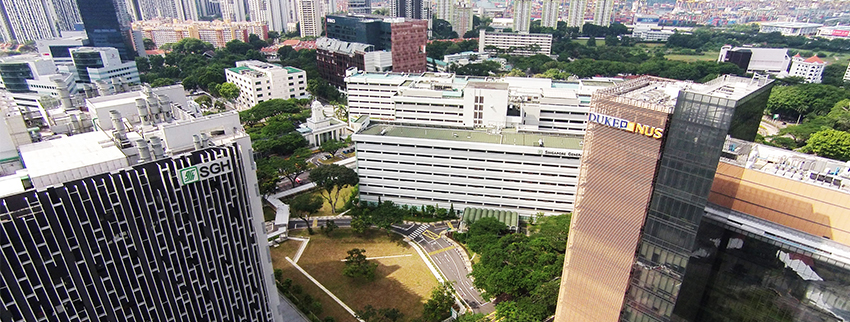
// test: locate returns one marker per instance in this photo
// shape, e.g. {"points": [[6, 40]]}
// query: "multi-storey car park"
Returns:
{"points": [[527, 173]]}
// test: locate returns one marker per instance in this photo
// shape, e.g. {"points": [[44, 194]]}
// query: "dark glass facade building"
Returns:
{"points": [[15, 76], [85, 59], [364, 29], [650, 155], [107, 24]]}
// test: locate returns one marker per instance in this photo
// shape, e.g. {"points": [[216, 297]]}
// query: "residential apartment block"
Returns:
{"points": [[216, 32], [524, 44], [259, 81]]}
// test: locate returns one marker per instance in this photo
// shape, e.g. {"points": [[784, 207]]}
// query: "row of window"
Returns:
{"points": [[443, 165], [470, 177], [490, 153], [367, 194], [464, 185]]}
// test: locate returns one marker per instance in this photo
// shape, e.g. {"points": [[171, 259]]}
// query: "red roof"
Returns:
{"points": [[290, 42], [814, 59]]}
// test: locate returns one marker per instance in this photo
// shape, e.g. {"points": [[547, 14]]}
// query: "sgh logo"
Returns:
{"points": [[204, 170], [626, 125], [189, 175]]}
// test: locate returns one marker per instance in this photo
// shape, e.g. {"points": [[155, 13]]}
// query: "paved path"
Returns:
{"points": [[346, 307]]}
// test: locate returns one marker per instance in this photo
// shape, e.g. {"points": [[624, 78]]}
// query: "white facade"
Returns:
{"points": [[273, 12], [839, 32], [45, 81], [767, 60], [233, 10], [522, 15], [790, 28], [847, 74], [27, 20], [109, 69], [445, 9], [464, 168], [310, 17], [575, 18], [57, 48], [461, 20], [551, 12], [652, 34], [515, 43], [320, 128], [810, 68], [441, 99], [604, 11], [259, 81]]}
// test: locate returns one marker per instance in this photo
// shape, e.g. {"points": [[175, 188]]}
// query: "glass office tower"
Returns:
{"points": [[107, 24], [649, 158]]}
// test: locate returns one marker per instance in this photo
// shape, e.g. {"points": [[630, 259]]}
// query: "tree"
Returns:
{"points": [[228, 91], [359, 225], [143, 64], [238, 47], [204, 100], [381, 12], [438, 307], [472, 317], [591, 42], [332, 146], [829, 143], [356, 265], [295, 165], [305, 205], [329, 227], [554, 229], [333, 179], [149, 44], [160, 82], [371, 314]]}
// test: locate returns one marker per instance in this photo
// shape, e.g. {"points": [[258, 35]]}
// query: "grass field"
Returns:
{"points": [[403, 283], [269, 211], [326, 207], [706, 56]]}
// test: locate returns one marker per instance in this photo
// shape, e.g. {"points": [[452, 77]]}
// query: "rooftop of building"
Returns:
{"points": [[794, 165], [344, 47], [505, 136], [66, 153], [661, 93], [791, 24]]}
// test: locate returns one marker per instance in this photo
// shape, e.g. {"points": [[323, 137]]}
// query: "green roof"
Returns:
{"points": [[239, 69], [292, 69], [507, 136], [507, 217]]}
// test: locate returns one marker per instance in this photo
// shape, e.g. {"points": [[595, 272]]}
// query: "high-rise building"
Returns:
{"points": [[151, 9], [522, 15], [67, 14], [159, 223], [218, 33], [360, 7], [335, 57], [107, 24], [575, 18], [551, 12], [310, 17], [404, 38], [24, 20], [649, 159], [603, 12], [272, 12], [444, 9], [412, 9], [847, 74], [461, 17], [234, 10]]}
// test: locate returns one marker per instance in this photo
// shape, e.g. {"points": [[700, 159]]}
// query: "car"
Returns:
{"points": [[297, 181]]}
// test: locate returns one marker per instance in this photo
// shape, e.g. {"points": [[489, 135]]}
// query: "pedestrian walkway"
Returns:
{"points": [[419, 231], [322, 287]]}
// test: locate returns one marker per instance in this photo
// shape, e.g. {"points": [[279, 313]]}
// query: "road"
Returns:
{"points": [[449, 260]]}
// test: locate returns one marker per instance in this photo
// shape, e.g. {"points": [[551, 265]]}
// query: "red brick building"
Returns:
{"points": [[408, 45]]}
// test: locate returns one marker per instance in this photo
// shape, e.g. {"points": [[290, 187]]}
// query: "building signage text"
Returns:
{"points": [[204, 170], [626, 125]]}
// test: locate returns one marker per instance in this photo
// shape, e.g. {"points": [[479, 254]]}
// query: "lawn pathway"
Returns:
{"points": [[338, 301]]}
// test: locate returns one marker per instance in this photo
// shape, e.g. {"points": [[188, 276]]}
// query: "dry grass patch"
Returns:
{"points": [[329, 306], [404, 283]]}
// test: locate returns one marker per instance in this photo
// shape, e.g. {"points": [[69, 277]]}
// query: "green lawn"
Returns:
{"points": [[403, 283], [706, 56]]}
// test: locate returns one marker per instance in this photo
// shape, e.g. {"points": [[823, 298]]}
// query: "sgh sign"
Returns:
{"points": [[626, 125], [204, 170]]}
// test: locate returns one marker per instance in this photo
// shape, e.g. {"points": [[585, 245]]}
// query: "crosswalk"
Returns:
{"points": [[418, 232]]}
